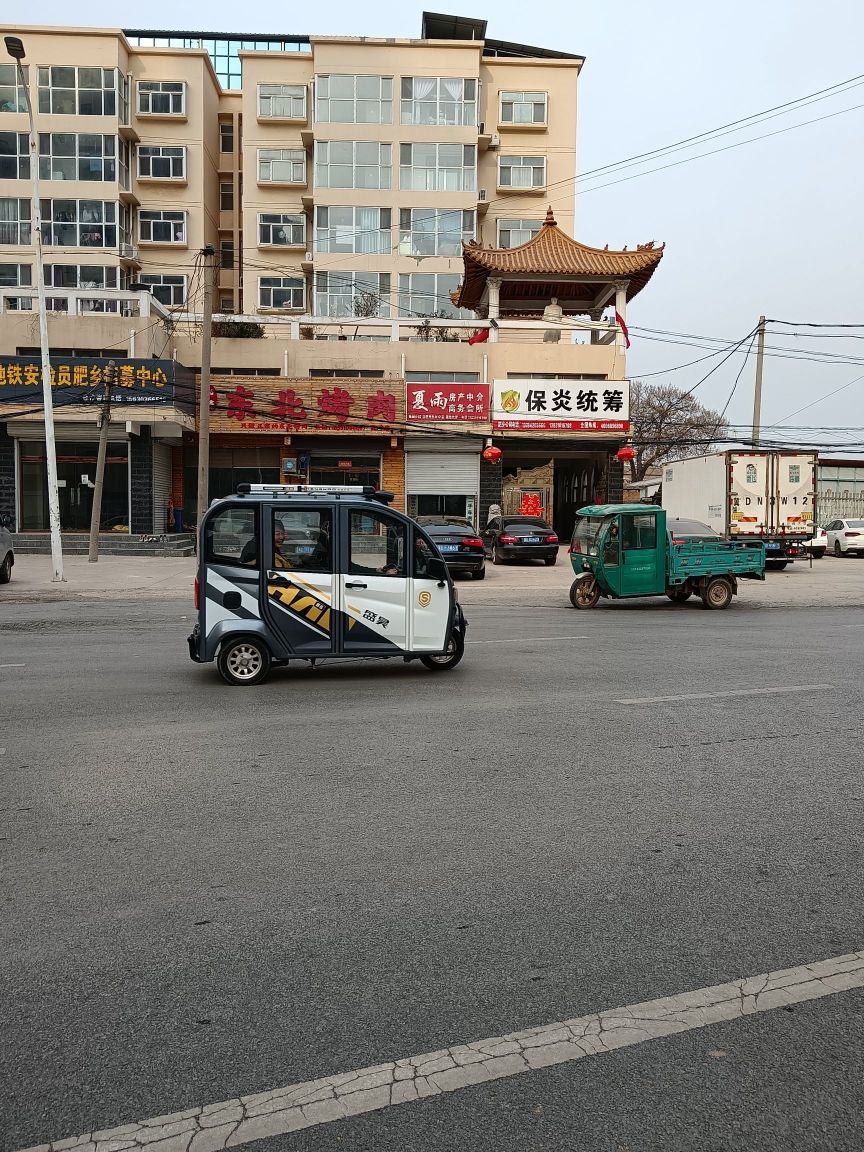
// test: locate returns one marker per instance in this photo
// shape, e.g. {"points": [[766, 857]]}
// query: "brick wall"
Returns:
{"points": [[393, 474], [490, 490], [7, 476], [615, 482], [142, 483], [177, 477]]}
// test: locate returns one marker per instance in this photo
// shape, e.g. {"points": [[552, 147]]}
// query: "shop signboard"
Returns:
{"points": [[561, 405], [81, 380], [447, 402], [310, 405]]}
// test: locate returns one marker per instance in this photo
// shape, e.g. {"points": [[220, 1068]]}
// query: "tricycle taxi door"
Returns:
{"points": [[299, 584], [374, 578], [642, 570]]}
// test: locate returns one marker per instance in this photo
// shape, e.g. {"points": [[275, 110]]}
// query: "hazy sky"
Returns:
{"points": [[773, 227]]}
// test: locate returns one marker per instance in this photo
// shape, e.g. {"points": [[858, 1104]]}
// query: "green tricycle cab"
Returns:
{"points": [[625, 550]]}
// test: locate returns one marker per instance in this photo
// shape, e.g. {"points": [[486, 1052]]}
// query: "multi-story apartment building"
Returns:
{"points": [[338, 181]]}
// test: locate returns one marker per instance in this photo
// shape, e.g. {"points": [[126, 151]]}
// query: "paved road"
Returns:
{"points": [[209, 892]]}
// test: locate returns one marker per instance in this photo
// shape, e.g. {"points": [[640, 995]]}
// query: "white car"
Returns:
{"points": [[817, 544], [846, 537]]}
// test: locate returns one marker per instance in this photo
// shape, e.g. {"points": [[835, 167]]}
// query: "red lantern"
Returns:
{"points": [[214, 398], [492, 454], [625, 452]]}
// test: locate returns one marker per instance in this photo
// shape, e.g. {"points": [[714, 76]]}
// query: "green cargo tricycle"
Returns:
{"points": [[624, 550]]}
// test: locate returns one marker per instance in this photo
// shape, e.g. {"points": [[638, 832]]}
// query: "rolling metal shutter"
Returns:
{"points": [[161, 485], [443, 473]]}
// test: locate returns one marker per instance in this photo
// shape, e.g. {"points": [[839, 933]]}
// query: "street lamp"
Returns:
{"points": [[15, 48]]}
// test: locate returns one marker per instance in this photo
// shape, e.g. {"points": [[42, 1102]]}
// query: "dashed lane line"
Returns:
{"points": [[722, 695], [530, 640], [231, 1123]]}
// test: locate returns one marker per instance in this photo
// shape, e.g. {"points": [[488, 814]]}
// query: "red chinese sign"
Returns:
{"points": [[531, 505], [447, 402], [280, 405]]}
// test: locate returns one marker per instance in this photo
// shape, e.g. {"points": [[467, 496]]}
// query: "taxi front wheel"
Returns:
{"points": [[244, 661], [455, 652]]}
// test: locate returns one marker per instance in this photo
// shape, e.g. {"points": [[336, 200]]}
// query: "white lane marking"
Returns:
{"points": [[13, 665], [722, 695], [288, 1109], [532, 640]]}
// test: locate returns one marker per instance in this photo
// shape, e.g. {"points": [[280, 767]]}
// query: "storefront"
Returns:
{"points": [[442, 476]]}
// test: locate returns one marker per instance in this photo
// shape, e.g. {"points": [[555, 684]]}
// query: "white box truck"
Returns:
{"points": [[763, 495]]}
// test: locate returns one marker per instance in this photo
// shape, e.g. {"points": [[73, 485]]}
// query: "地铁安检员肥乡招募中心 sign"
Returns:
{"points": [[81, 380]]}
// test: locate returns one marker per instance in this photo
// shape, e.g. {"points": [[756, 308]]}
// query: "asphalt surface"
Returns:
{"points": [[210, 891]]}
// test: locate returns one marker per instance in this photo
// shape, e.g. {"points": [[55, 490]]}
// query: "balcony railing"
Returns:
{"points": [[83, 302]]}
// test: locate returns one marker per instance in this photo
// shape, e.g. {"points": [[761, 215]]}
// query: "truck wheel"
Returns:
{"points": [[244, 661], [455, 652], [717, 593], [584, 592], [818, 553], [679, 595], [776, 565]]}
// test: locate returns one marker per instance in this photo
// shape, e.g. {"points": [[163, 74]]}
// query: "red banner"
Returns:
{"points": [[447, 402]]}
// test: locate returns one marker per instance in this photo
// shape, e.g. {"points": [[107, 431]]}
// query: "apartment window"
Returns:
{"points": [[226, 137], [161, 98], [437, 167], [281, 229], [14, 156], [523, 108], [348, 229], [282, 101], [78, 91], [438, 100], [125, 159], [79, 223], [162, 227], [14, 220], [226, 253], [226, 305], [12, 98], [428, 294], [354, 99], [281, 292], [168, 290], [161, 163], [80, 276], [521, 171], [352, 164], [281, 166], [346, 374], [16, 275], [511, 233], [431, 232], [226, 196], [352, 294], [77, 156], [442, 377]]}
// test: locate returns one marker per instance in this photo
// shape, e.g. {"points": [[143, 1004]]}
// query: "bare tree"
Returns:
{"points": [[667, 423]]}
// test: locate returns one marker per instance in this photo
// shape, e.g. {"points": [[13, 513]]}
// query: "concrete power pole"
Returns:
{"points": [[105, 417], [208, 255], [757, 395]]}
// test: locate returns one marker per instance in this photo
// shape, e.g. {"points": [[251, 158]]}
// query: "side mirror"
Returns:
{"points": [[436, 569]]}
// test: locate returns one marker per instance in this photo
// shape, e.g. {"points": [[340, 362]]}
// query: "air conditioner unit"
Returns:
{"points": [[308, 258], [481, 195], [128, 251], [495, 142]]}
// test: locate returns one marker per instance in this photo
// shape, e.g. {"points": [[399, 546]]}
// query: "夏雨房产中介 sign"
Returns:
{"points": [[561, 405]]}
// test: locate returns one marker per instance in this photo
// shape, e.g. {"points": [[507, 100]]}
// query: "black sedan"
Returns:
{"points": [[458, 542], [520, 538]]}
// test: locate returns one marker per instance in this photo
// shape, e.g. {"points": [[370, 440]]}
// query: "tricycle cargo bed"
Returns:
{"points": [[716, 558]]}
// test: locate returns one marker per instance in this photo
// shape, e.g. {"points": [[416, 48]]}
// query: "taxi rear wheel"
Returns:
{"points": [[584, 592], [244, 661], [455, 652], [717, 593]]}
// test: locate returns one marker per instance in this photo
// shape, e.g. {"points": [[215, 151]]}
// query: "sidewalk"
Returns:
{"points": [[831, 582]]}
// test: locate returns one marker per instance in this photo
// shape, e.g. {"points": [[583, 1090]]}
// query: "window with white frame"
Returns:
{"points": [[79, 223], [282, 101], [161, 98], [67, 91], [442, 377], [521, 171], [168, 290], [77, 156], [124, 170], [12, 98], [513, 232], [343, 99], [349, 229], [438, 100], [282, 292], [226, 196], [161, 227], [438, 167], [16, 275], [352, 164], [14, 220], [80, 276], [352, 293], [434, 232], [161, 163], [281, 229], [428, 294], [523, 108], [281, 165], [226, 137], [14, 156]]}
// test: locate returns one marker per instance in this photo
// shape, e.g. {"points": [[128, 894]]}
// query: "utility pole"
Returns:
{"points": [[757, 395], [105, 418], [15, 48], [208, 255]]}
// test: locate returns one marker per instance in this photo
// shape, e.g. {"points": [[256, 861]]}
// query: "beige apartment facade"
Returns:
{"points": [[343, 185]]}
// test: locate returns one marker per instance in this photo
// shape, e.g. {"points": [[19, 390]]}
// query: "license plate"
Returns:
{"points": [[449, 547], [530, 539], [772, 547], [305, 549]]}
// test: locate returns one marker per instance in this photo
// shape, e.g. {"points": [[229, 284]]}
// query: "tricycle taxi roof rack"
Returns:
{"points": [[367, 491]]}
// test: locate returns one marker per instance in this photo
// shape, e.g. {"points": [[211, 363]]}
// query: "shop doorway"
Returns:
{"points": [[76, 474], [351, 468]]}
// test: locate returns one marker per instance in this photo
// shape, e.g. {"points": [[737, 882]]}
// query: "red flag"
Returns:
{"points": [[619, 320], [479, 337]]}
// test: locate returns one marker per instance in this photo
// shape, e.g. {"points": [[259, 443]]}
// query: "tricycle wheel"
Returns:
{"points": [[455, 652], [584, 592], [717, 593], [678, 595], [244, 661]]}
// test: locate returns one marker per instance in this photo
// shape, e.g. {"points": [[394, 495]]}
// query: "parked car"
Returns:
{"points": [[7, 552], [681, 530], [846, 537], [458, 542], [817, 545], [520, 538]]}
